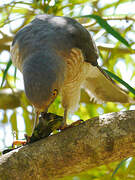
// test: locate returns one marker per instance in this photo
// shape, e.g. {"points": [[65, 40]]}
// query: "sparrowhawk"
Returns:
{"points": [[57, 55]]}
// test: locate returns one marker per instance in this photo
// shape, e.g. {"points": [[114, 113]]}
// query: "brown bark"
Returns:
{"points": [[4, 47], [98, 141], [9, 99]]}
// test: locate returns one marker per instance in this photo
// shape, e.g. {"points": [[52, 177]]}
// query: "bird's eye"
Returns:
{"points": [[55, 92]]}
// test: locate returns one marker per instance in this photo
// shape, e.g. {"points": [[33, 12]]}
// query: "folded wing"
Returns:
{"points": [[102, 88]]}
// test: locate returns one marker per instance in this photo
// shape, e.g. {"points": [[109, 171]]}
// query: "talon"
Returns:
{"points": [[19, 143], [27, 138], [77, 122], [65, 126]]}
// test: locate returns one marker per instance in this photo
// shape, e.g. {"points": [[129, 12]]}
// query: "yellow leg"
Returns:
{"points": [[64, 124], [23, 142], [65, 117], [36, 119]]}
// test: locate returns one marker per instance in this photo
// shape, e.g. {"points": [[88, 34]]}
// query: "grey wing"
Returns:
{"points": [[82, 39], [15, 55], [88, 47]]}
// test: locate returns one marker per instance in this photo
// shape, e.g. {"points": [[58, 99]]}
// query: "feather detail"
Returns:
{"points": [[15, 55], [99, 85], [74, 78]]}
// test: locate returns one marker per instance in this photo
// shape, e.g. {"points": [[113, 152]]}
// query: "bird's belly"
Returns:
{"points": [[74, 78], [71, 96]]}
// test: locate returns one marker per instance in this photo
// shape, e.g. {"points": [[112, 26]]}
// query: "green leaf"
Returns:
{"points": [[107, 27], [118, 166], [5, 72], [20, 10], [28, 125], [13, 120], [132, 90], [15, 71], [5, 118]]}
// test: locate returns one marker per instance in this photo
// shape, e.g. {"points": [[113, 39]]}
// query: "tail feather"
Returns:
{"points": [[100, 86]]}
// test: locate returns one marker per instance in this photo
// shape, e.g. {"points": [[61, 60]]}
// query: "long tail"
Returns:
{"points": [[102, 88]]}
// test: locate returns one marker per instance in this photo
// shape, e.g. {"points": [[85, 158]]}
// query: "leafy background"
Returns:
{"points": [[111, 24]]}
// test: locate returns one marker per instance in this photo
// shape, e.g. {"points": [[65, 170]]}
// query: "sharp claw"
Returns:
{"points": [[27, 138], [21, 142], [77, 122], [18, 143], [65, 126]]}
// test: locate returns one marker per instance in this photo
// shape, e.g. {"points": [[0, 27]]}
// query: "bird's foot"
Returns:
{"points": [[19, 143], [65, 126]]}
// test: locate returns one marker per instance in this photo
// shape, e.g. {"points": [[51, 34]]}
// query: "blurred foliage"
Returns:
{"points": [[114, 56]]}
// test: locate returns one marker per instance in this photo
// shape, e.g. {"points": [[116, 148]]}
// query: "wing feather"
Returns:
{"points": [[100, 86]]}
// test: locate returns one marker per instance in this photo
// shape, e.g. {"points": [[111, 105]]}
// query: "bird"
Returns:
{"points": [[57, 55]]}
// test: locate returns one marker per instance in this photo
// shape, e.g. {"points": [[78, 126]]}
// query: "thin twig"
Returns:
{"points": [[126, 18]]}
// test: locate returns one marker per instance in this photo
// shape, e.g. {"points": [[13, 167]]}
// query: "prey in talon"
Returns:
{"points": [[48, 122]]}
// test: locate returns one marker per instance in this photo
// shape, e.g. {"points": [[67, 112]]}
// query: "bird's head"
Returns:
{"points": [[43, 75]]}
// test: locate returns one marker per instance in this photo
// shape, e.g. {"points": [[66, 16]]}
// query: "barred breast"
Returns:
{"points": [[74, 78]]}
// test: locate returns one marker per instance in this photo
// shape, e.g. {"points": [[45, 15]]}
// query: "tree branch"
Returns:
{"points": [[10, 100], [4, 47], [126, 18], [98, 141], [120, 18], [113, 49]]}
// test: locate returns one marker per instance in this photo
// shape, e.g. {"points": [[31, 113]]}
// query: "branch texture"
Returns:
{"points": [[98, 141]]}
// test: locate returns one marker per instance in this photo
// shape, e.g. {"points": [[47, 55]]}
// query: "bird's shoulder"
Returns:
{"points": [[68, 33], [56, 32]]}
